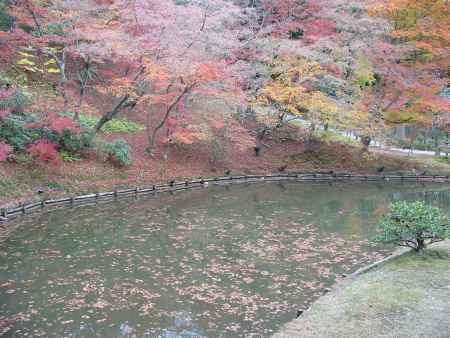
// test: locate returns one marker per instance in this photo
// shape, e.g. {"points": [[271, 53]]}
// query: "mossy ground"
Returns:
{"points": [[406, 297]]}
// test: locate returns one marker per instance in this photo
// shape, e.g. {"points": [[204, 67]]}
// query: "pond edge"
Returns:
{"points": [[7, 214], [397, 253]]}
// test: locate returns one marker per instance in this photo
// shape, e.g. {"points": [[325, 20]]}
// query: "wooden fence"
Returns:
{"points": [[25, 208]]}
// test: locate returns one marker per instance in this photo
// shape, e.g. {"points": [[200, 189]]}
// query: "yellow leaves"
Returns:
{"points": [[305, 69], [322, 109], [286, 92], [50, 62], [418, 21], [155, 72], [53, 70], [31, 63], [32, 69], [376, 10], [27, 55], [293, 70], [317, 101], [25, 62], [52, 50], [277, 93], [289, 93], [419, 113], [362, 122]]}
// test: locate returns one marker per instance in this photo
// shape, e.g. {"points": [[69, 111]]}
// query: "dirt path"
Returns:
{"points": [[404, 152], [407, 297]]}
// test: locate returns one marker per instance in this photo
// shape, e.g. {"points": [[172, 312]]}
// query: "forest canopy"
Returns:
{"points": [[220, 74]]}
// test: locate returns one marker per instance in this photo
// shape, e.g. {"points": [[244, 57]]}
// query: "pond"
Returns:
{"points": [[235, 261]]}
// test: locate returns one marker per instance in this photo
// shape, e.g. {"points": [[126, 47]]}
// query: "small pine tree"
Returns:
{"points": [[414, 225]]}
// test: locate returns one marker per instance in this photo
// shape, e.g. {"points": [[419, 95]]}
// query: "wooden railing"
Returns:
{"points": [[25, 208]]}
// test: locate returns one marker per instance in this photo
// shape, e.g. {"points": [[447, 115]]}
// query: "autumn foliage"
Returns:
{"points": [[44, 151], [417, 74], [56, 124], [163, 64], [5, 150]]}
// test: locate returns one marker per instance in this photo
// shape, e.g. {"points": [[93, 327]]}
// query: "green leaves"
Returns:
{"points": [[118, 153], [414, 225]]}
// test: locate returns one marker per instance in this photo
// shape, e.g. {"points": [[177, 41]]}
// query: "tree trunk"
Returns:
{"points": [[122, 104], [63, 79], [420, 245], [152, 137], [35, 19], [111, 114], [365, 141], [80, 103], [83, 78]]}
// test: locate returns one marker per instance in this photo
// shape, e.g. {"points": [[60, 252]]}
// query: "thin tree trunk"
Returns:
{"points": [[36, 21], [63, 78], [152, 137], [122, 104], [83, 78], [61, 62], [365, 141], [111, 114], [259, 140], [420, 245]]}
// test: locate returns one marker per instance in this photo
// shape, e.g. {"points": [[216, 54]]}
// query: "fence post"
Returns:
{"points": [[332, 177]]}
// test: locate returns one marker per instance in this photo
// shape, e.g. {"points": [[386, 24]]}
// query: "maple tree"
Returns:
{"points": [[85, 74], [29, 13], [81, 52], [174, 94], [155, 61], [293, 93], [146, 80], [414, 67]]}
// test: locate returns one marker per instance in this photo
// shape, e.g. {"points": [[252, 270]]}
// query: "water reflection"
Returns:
{"points": [[182, 328], [222, 262]]}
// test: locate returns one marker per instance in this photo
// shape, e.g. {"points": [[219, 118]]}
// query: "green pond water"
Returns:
{"points": [[235, 261]]}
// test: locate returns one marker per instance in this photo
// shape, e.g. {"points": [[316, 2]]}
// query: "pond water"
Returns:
{"points": [[235, 261]]}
